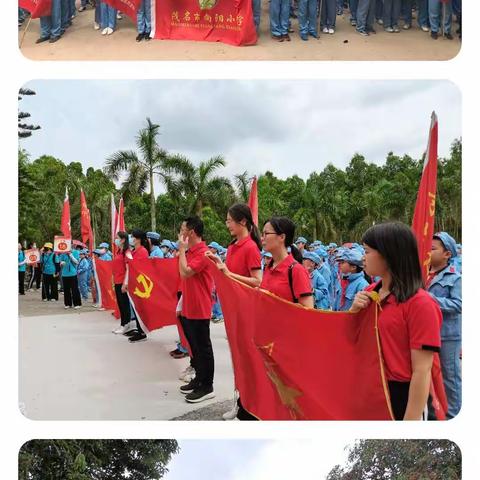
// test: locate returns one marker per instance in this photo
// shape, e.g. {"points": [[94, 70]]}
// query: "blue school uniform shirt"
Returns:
{"points": [[156, 252], [49, 261], [21, 258], [320, 291], [106, 256], [83, 267], [356, 283], [70, 267], [446, 288]]}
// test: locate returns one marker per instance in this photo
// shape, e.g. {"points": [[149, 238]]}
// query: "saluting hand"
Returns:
{"points": [[182, 242], [362, 300]]}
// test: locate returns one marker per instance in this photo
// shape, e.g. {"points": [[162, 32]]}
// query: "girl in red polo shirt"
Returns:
{"points": [[409, 320], [119, 272], [244, 263], [284, 275]]}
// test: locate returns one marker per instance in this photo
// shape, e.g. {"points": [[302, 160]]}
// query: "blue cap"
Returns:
{"points": [[173, 246], [266, 254], [359, 248], [153, 235], [448, 242], [301, 240], [352, 256], [104, 245], [313, 257], [216, 246], [97, 251], [321, 252], [165, 243], [332, 245]]}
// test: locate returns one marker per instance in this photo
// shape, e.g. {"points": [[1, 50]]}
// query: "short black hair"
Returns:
{"points": [[155, 241], [397, 244], [195, 223]]}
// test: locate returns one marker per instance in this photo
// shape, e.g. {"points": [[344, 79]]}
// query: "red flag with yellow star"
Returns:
{"points": [[293, 363], [104, 278]]}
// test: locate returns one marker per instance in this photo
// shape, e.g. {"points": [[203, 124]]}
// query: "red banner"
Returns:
{"points": [[129, 7], [295, 363], [227, 21], [253, 201], [65, 221], [37, 8], [108, 299], [152, 288], [85, 223]]}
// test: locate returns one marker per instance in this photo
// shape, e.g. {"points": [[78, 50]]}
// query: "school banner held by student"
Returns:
{"points": [[104, 274], [37, 8], [129, 7], [303, 364], [227, 21], [152, 289]]}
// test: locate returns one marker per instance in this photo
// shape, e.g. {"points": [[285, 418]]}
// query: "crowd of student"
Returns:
{"points": [[434, 16], [415, 320]]}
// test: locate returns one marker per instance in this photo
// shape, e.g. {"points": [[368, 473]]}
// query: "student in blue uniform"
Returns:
{"points": [[444, 284], [83, 273], [320, 288], [22, 268], [217, 314], [352, 279], [50, 269], [68, 265], [104, 253], [153, 239]]}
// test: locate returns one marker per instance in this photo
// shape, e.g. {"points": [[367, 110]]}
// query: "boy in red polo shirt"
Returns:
{"points": [[197, 302]]}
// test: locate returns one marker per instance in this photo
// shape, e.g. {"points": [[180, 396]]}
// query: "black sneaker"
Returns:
{"points": [[363, 32], [138, 337], [189, 387], [140, 37], [54, 39], [147, 37], [200, 394], [175, 352], [434, 35], [42, 39], [130, 333], [449, 36]]}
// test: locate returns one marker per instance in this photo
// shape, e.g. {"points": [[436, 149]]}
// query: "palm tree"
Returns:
{"points": [[198, 184], [242, 183], [141, 168]]}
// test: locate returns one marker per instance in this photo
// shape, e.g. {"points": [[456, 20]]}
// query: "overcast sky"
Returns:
{"points": [[285, 126], [256, 459]]}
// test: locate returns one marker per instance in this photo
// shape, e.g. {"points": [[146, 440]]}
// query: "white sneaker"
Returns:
{"points": [[325, 30], [104, 31], [187, 375], [95, 305], [119, 330], [119, 16], [66, 307], [96, 26], [232, 414], [53, 300], [425, 28], [45, 300], [331, 31], [76, 307], [109, 31]]}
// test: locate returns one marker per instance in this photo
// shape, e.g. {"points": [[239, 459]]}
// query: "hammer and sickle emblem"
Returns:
{"points": [[147, 286]]}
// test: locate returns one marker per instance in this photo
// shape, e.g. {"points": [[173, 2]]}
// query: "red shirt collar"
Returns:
{"points": [[198, 246], [283, 265], [241, 242]]}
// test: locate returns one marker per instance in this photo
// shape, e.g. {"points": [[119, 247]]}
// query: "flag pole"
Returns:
{"points": [[25, 31]]}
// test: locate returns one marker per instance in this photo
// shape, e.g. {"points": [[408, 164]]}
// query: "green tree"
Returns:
{"points": [[25, 129]]}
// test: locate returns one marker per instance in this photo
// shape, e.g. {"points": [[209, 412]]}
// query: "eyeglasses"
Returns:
{"points": [[264, 234]]}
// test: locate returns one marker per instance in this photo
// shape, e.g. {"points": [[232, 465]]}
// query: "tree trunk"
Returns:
{"points": [[152, 204]]}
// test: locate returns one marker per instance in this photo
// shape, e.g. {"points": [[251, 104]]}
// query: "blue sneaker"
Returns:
{"points": [[304, 37]]}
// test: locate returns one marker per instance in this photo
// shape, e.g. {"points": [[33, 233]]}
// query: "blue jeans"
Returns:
{"points": [[83, 285], [329, 14], [307, 17], [51, 26], [379, 9], [144, 17], [279, 17], [98, 13], [435, 12], [353, 9], [217, 310], [257, 10], [66, 15], [391, 13], [108, 16], [452, 374], [365, 14]]}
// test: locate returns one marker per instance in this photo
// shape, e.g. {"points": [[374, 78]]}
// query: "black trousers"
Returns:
{"points": [[197, 333], [49, 287], [399, 398], [71, 293], [21, 283], [36, 278], [123, 304]]}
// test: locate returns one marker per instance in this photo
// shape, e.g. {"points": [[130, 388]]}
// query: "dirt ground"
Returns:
{"points": [[81, 42]]}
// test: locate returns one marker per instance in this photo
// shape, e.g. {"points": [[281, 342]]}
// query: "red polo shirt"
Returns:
{"points": [[140, 253], [275, 280], [411, 325], [197, 290], [243, 256], [118, 267]]}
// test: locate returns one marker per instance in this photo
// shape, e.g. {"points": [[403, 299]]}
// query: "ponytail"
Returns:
{"points": [[296, 254], [241, 211]]}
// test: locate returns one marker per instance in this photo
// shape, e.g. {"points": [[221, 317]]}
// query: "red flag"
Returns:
{"points": [[227, 21], [423, 227], [152, 288], [129, 7], [253, 201], [302, 364], [37, 8], [65, 222], [85, 223], [113, 222], [106, 293], [424, 214], [121, 215]]}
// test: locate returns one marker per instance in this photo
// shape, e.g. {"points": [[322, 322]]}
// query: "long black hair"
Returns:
{"points": [[397, 244], [142, 236], [283, 225], [241, 211], [123, 236]]}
